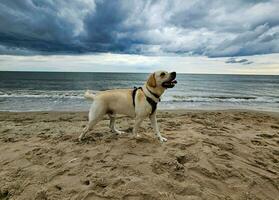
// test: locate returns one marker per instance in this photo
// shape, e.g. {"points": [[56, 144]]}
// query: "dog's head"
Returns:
{"points": [[162, 80]]}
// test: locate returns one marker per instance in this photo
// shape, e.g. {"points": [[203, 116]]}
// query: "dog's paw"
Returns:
{"points": [[162, 139]]}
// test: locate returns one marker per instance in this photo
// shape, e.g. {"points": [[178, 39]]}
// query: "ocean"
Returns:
{"points": [[63, 91]]}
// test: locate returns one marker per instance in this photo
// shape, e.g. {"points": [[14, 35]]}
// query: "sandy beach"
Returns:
{"points": [[209, 155]]}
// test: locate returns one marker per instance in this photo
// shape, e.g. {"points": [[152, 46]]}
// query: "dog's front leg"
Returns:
{"points": [[155, 127], [138, 122]]}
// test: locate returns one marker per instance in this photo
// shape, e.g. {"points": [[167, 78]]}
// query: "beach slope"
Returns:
{"points": [[209, 155]]}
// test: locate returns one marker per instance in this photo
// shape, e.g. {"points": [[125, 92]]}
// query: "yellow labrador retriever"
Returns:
{"points": [[138, 102]]}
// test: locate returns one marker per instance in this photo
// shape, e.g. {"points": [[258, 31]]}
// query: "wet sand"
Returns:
{"points": [[209, 155]]}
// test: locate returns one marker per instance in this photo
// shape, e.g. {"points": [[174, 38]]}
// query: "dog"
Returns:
{"points": [[138, 103]]}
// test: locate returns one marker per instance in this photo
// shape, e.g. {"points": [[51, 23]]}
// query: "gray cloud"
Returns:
{"points": [[241, 61], [201, 27]]}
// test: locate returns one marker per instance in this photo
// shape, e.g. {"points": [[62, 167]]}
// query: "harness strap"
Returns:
{"points": [[155, 95], [149, 100], [152, 103], [134, 94]]}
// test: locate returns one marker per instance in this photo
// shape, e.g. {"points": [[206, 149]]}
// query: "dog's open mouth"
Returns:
{"points": [[169, 84]]}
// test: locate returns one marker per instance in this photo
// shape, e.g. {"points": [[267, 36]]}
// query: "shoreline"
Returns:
{"points": [[275, 113]]}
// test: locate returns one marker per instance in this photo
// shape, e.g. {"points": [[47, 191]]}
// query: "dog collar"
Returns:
{"points": [[151, 95], [155, 95]]}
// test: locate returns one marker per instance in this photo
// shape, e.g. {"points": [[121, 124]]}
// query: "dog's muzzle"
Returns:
{"points": [[171, 82]]}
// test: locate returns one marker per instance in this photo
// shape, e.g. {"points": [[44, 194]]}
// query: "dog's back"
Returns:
{"points": [[118, 101]]}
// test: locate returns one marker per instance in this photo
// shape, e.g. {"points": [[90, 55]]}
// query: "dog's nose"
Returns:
{"points": [[173, 74]]}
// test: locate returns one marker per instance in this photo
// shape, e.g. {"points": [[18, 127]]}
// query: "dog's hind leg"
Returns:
{"points": [[87, 128], [112, 125], [95, 115]]}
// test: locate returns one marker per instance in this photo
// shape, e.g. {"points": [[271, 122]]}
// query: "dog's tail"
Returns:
{"points": [[89, 95]]}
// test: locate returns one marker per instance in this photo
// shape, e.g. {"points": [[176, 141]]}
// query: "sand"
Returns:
{"points": [[209, 155]]}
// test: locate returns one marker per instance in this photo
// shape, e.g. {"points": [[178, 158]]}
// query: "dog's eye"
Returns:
{"points": [[163, 74]]}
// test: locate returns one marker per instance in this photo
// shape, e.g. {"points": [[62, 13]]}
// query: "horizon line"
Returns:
{"points": [[137, 72]]}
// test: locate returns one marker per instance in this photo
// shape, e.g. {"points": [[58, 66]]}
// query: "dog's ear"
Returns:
{"points": [[151, 80]]}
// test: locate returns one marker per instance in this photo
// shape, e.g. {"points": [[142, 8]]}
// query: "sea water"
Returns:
{"points": [[63, 91]]}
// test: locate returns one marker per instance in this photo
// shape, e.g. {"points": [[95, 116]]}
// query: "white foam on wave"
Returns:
{"points": [[233, 99], [75, 94], [171, 98]]}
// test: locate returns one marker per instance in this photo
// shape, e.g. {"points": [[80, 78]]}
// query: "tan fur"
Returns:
{"points": [[141, 96], [120, 101], [151, 80]]}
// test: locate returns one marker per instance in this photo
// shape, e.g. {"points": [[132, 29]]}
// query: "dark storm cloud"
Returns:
{"points": [[199, 27]]}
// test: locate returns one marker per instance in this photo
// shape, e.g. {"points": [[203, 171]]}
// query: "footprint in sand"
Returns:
{"points": [[275, 152], [9, 139], [183, 145], [143, 140], [224, 155], [173, 168], [86, 182], [92, 195], [5, 195], [268, 136], [185, 158], [41, 195], [172, 126], [274, 126], [6, 130], [58, 187], [257, 142]]}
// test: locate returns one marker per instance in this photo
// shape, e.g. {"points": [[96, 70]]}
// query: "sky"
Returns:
{"points": [[193, 36]]}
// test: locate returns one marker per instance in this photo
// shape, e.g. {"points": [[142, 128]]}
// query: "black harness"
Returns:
{"points": [[155, 95], [149, 100]]}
